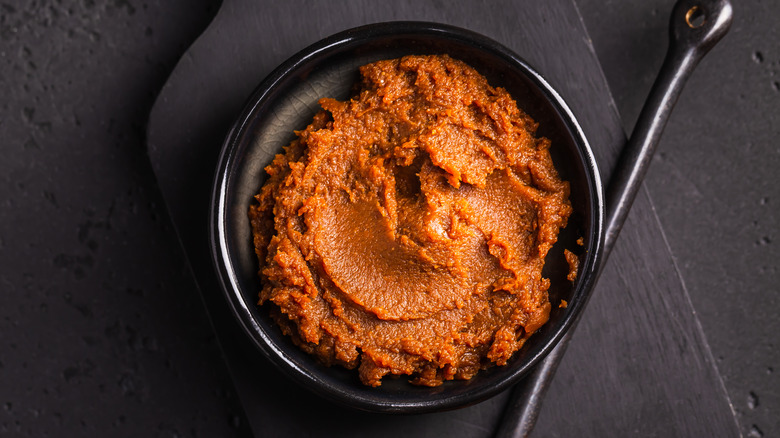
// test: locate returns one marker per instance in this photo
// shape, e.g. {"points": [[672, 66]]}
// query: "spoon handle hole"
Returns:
{"points": [[695, 17]]}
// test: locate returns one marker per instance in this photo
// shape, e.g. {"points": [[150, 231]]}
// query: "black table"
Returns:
{"points": [[102, 330]]}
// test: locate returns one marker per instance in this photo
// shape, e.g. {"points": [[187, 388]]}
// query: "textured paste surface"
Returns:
{"points": [[405, 230]]}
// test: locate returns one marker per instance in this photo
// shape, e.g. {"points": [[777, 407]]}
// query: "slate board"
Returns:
{"points": [[638, 364]]}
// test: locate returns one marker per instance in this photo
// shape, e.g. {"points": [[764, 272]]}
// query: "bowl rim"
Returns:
{"points": [[220, 245]]}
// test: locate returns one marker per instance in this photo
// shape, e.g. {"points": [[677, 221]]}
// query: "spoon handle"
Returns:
{"points": [[695, 27]]}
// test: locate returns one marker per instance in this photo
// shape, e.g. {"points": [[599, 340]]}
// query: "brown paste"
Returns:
{"points": [[574, 264], [405, 230]]}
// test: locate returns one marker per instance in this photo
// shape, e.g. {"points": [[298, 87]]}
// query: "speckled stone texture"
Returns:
{"points": [[716, 192], [102, 332]]}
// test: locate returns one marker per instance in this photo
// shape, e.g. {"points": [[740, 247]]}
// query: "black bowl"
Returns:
{"points": [[287, 99]]}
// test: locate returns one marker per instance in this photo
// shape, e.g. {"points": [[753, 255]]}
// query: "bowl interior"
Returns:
{"points": [[287, 100]]}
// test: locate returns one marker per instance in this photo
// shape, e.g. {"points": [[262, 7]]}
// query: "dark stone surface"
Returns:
{"points": [[715, 191], [101, 332]]}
